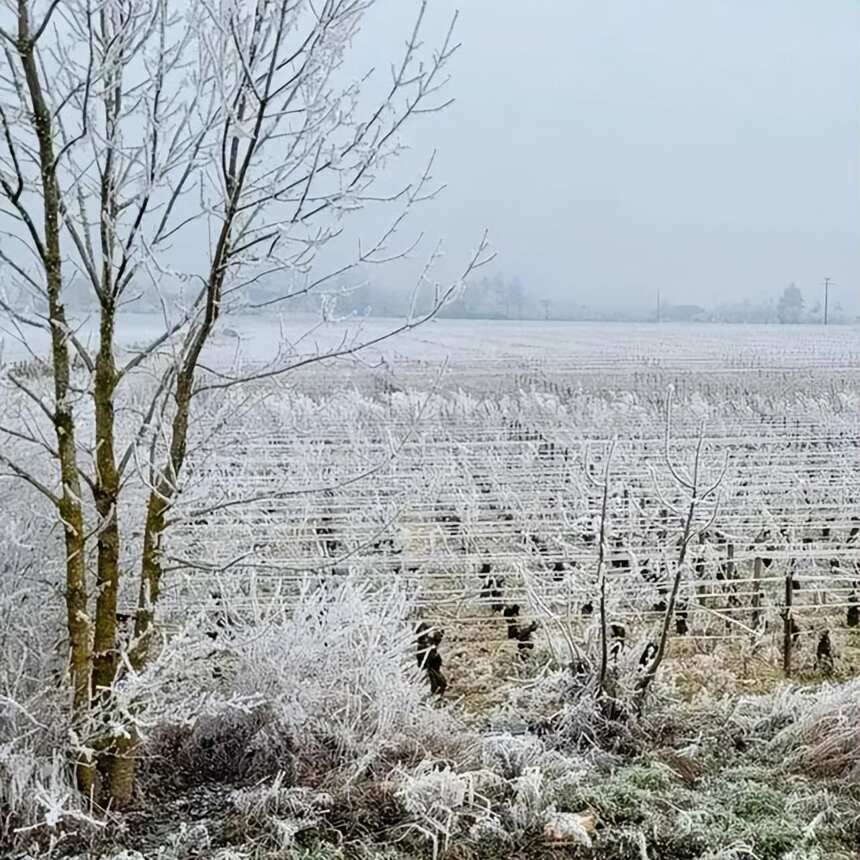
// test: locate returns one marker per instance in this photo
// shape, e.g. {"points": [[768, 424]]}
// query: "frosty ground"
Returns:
{"points": [[680, 344]]}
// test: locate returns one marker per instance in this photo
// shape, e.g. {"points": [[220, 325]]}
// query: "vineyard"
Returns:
{"points": [[478, 489], [587, 589]]}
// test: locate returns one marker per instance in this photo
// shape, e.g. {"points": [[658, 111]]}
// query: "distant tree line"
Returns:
{"points": [[790, 307], [498, 297]]}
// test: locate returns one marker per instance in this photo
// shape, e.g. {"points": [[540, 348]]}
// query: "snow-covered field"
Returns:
{"points": [[593, 344]]}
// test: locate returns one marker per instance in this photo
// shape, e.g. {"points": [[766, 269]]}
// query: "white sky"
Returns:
{"points": [[710, 148]]}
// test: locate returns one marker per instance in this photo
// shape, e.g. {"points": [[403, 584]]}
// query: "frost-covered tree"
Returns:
{"points": [[790, 306], [182, 149]]}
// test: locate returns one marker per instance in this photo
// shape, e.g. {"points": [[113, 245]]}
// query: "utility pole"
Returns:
{"points": [[658, 305], [826, 297]]}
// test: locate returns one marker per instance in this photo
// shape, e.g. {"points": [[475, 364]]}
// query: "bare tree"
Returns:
{"points": [[186, 152], [698, 490]]}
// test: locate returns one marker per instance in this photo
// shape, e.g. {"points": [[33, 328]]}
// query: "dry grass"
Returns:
{"points": [[824, 740]]}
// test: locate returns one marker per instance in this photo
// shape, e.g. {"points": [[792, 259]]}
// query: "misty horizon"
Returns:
{"points": [[709, 151]]}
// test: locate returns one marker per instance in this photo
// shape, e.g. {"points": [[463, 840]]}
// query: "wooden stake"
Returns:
{"points": [[787, 623], [756, 598]]}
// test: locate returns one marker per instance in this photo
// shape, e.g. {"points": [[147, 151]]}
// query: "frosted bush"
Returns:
{"points": [[778, 716], [179, 685], [823, 739], [37, 790], [231, 746], [273, 815], [440, 800], [124, 854], [753, 713], [569, 827], [530, 799], [338, 673], [434, 793], [509, 755], [325, 681], [528, 705], [564, 771], [565, 710], [487, 828], [741, 851]]}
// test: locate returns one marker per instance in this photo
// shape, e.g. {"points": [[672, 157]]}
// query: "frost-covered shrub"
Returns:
{"points": [[746, 808], [518, 794], [569, 827], [488, 830], [337, 674], [182, 682], [231, 746], [273, 815], [563, 708], [531, 800], [324, 686], [812, 729], [740, 851], [823, 738], [509, 755], [189, 841], [442, 802], [434, 793], [126, 855], [37, 791], [767, 714]]}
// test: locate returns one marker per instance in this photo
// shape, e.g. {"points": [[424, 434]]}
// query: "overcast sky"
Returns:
{"points": [[709, 148]]}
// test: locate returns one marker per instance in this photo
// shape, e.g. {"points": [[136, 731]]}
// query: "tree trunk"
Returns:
{"points": [[150, 578], [120, 768], [119, 763], [105, 652], [166, 485], [160, 500], [77, 620], [70, 507], [106, 491]]}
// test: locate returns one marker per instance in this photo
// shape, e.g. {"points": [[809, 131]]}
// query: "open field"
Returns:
{"points": [[629, 345]]}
